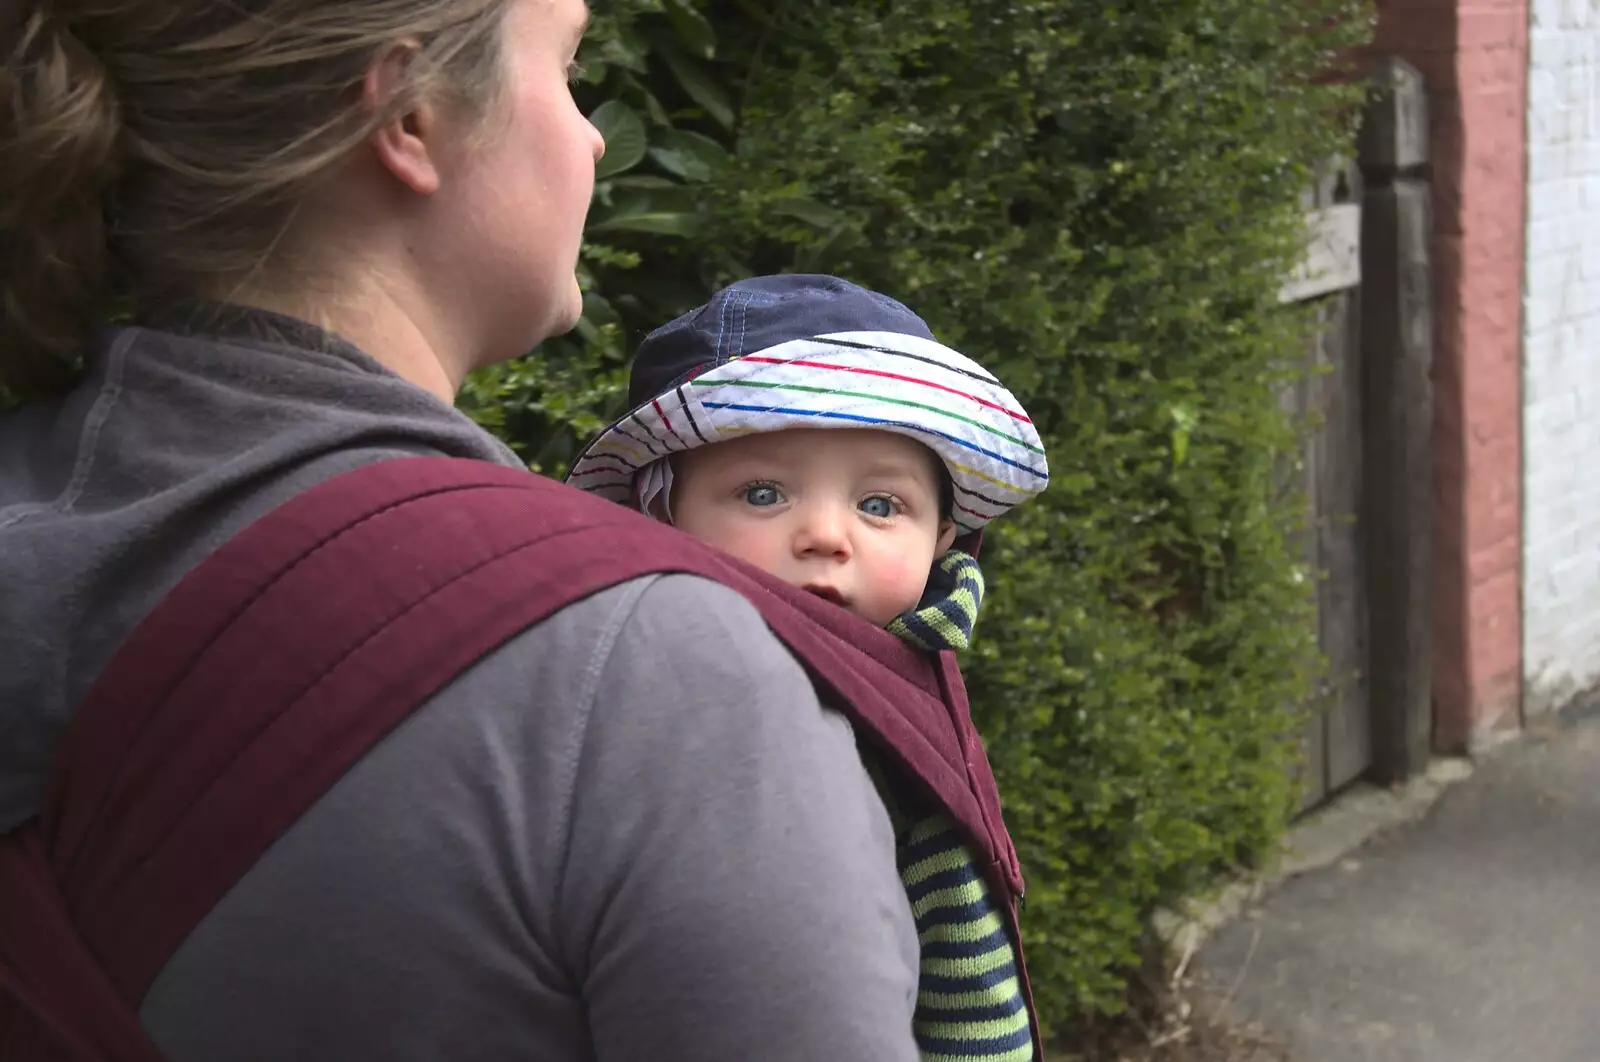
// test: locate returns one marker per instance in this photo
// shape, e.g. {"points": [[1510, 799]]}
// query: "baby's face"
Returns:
{"points": [[852, 516]]}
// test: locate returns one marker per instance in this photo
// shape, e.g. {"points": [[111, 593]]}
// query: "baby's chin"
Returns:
{"points": [[885, 620], [866, 612], [883, 615]]}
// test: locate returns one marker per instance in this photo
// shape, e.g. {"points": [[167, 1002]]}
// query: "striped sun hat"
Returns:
{"points": [[798, 351]]}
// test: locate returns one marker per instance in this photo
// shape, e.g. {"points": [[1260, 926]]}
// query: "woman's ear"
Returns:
{"points": [[947, 536], [407, 144]]}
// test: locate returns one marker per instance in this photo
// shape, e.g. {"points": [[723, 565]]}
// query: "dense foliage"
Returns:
{"points": [[1096, 200]]}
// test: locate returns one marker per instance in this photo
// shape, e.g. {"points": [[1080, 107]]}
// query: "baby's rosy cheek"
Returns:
{"points": [[907, 579]]}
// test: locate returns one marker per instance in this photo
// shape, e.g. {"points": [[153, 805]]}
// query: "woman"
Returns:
{"points": [[327, 213]]}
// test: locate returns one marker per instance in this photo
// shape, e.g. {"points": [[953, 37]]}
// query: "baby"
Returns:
{"points": [[818, 431]]}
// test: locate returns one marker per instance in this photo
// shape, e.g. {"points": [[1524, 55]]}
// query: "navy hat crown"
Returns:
{"points": [[759, 314]]}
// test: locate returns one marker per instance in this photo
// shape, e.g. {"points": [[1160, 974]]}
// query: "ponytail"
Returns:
{"points": [[59, 134]]}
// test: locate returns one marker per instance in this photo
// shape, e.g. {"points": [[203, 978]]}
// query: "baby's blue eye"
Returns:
{"points": [[880, 507], [762, 495]]}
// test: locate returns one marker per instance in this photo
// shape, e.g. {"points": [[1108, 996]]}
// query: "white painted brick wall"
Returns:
{"points": [[1561, 348]]}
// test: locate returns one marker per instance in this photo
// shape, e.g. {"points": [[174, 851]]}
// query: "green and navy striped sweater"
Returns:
{"points": [[969, 998]]}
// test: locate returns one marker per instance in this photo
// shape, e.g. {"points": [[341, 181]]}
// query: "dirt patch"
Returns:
{"points": [[1174, 1015]]}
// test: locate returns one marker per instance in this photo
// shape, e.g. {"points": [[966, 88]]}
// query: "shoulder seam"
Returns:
{"points": [[88, 437], [589, 690]]}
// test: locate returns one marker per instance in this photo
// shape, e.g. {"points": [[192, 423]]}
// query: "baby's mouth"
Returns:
{"points": [[827, 593]]}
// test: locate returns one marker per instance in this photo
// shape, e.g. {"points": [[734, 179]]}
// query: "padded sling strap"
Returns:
{"points": [[279, 661]]}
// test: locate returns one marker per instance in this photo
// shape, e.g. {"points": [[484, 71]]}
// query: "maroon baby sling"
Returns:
{"points": [[279, 661]]}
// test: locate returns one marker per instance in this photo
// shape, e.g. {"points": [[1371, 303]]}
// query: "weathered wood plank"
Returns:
{"points": [[1397, 392], [1367, 466], [1310, 398], [1293, 473], [1342, 598], [1301, 400], [1337, 739], [1394, 129], [1333, 254]]}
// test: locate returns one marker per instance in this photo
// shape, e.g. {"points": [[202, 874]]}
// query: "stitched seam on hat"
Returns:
{"points": [[744, 317], [722, 326], [741, 315], [736, 306]]}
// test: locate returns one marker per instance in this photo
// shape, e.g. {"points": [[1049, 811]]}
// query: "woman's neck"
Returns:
{"points": [[383, 322]]}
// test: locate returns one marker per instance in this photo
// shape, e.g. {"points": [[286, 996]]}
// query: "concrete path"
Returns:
{"points": [[1471, 935]]}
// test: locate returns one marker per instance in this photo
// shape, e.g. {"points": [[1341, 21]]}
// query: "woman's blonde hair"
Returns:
{"points": [[150, 147]]}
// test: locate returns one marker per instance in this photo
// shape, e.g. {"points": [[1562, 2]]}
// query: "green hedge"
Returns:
{"points": [[1096, 199]]}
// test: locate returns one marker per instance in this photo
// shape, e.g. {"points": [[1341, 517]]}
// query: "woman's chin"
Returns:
{"points": [[562, 315], [568, 320], [565, 310]]}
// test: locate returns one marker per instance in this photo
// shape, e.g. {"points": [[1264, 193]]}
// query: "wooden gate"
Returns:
{"points": [[1366, 468], [1338, 741]]}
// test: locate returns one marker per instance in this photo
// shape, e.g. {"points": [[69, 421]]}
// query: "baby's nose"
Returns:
{"points": [[824, 531]]}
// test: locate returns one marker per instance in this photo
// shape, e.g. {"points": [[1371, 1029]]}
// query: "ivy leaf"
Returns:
{"points": [[658, 114], [598, 309], [697, 84], [808, 210], [692, 28], [624, 135], [658, 197], [625, 50], [819, 258], [690, 155], [645, 182], [630, 87], [658, 223], [1184, 420]]}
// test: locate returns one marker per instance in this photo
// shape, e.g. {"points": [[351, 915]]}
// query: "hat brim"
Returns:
{"points": [[886, 381]]}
